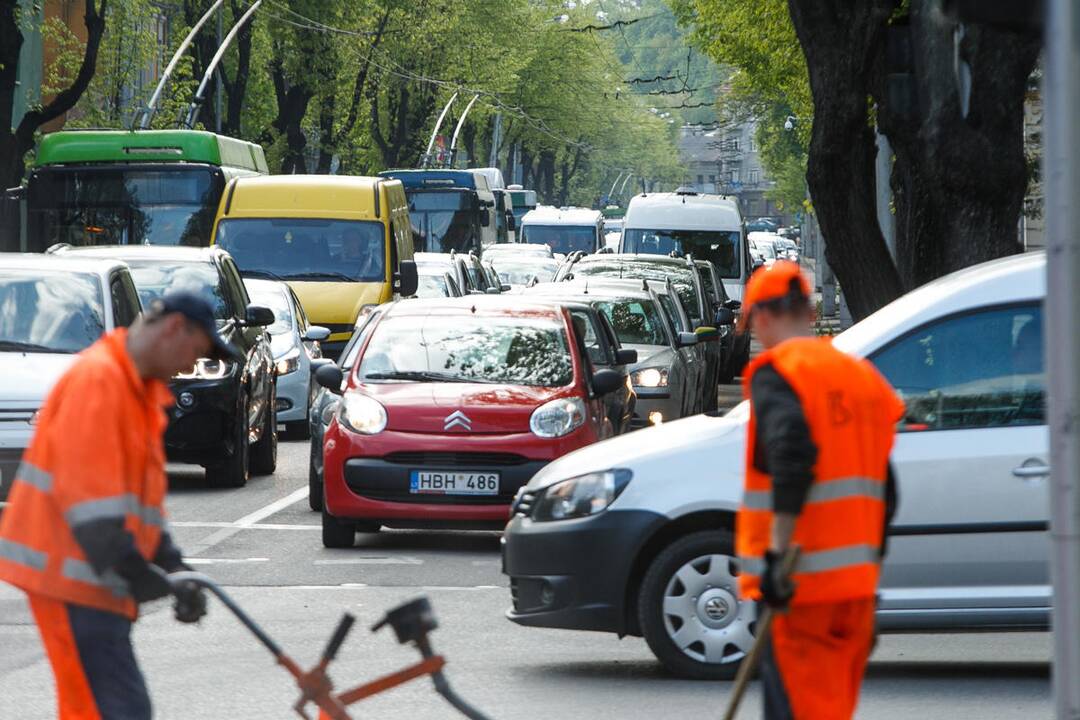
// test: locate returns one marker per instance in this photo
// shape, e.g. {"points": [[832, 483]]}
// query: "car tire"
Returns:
{"points": [[337, 533], [235, 470], [264, 452], [692, 584], [298, 431], [315, 483]]}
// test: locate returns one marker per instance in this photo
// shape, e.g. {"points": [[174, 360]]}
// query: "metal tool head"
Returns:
{"points": [[411, 621]]}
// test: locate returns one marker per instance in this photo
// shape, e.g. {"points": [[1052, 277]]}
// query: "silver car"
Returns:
{"points": [[664, 376], [52, 308], [968, 547], [294, 343]]}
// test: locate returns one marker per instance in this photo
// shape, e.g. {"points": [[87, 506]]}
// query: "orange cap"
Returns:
{"points": [[773, 283]]}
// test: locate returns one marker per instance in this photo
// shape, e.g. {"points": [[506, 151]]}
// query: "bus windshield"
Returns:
{"points": [[719, 246], [306, 249], [122, 206], [442, 220], [563, 239]]}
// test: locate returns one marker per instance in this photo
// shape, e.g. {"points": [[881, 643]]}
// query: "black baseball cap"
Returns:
{"points": [[198, 311]]}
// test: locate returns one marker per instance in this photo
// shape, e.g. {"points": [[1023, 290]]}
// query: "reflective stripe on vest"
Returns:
{"points": [[839, 489], [113, 507], [84, 572], [820, 561], [23, 555], [33, 475]]}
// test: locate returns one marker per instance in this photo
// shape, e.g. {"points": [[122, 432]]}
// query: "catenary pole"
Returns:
{"points": [[435, 133], [1062, 153], [151, 107], [200, 94]]}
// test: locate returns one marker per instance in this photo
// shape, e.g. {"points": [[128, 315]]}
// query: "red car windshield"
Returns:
{"points": [[440, 348]]}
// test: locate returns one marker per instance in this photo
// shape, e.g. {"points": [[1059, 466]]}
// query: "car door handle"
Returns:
{"points": [[1031, 471]]}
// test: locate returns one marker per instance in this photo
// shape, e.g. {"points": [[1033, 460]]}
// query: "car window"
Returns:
{"points": [[583, 325], [609, 333], [976, 370], [123, 312], [51, 312], [239, 297], [352, 348], [636, 322], [302, 321]]}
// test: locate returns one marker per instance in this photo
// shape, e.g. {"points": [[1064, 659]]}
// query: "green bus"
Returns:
{"points": [[128, 187]]}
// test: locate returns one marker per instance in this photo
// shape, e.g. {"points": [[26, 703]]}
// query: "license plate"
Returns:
{"points": [[453, 483]]}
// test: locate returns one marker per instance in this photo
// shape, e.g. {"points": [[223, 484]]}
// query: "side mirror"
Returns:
{"points": [[625, 356], [733, 305], [686, 339], [485, 217], [725, 316], [505, 288], [406, 279], [511, 222], [706, 333], [330, 377], [317, 363], [606, 381], [316, 333], [492, 291], [258, 316]]}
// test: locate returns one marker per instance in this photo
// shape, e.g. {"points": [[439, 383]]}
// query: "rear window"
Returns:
{"points": [[440, 348]]}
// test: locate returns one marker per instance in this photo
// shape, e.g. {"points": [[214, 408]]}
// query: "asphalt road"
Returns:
{"points": [[263, 543]]}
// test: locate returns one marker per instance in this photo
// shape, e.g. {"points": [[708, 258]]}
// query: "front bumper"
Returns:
{"points": [[202, 432], [292, 395], [573, 574], [654, 400], [368, 477]]}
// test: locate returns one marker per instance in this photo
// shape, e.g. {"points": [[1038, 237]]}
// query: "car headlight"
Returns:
{"points": [[290, 362], [580, 496], [363, 414], [207, 369], [650, 377], [328, 413], [557, 418]]}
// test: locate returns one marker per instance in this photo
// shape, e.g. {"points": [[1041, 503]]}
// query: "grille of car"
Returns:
{"points": [[16, 414], [404, 496], [455, 459]]}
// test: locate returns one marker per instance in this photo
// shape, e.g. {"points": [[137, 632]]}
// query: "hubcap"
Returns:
{"points": [[703, 615]]}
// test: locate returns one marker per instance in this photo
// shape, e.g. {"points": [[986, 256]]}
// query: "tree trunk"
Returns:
{"points": [[236, 90], [15, 145], [839, 39], [959, 181], [545, 176], [326, 133]]}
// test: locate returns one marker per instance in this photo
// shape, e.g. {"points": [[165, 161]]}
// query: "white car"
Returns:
{"points": [[50, 309], [646, 547]]}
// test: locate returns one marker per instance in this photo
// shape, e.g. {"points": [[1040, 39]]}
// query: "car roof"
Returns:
{"points": [[631, 258], [262, 285], [1015, 279], [547, 215], [681, 211], [145, 252], [606, 287], [38, 262], [486, 305]]}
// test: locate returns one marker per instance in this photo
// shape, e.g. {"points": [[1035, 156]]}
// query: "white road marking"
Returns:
{"points": [[248, 520], [228, 561], [399, 560], [256, 526]]}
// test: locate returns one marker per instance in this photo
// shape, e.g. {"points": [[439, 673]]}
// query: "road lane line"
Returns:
{"points": [[248, 520], [399, 560], [227, 561], [256, 526]]}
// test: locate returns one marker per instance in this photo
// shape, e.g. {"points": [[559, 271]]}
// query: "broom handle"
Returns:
{"points": [[749, 663]]}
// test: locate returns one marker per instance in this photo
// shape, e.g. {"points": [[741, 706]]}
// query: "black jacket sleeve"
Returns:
{"points": [[168, 556], [784, 448], [892, 499]]}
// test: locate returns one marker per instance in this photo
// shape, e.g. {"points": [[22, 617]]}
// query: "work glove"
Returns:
{"points": [[190, 603], [777, 588], [144, 583]]}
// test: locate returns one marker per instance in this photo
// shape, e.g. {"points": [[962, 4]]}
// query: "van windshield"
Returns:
{"points": [[721, 247], [306, 249], [442, 220], [563, 239]]}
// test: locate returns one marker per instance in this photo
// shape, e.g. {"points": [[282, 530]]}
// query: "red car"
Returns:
{"points": [[452, 405]]}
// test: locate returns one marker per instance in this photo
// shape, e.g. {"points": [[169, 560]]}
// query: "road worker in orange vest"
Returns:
{"points": [[817, 476], [85, 523]]}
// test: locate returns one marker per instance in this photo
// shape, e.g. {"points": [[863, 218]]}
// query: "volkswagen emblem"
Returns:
{"points": [[457, 419], [716, 608]]}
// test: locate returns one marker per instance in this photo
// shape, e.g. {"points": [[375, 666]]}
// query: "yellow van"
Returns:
{"points": [[341, 242]]}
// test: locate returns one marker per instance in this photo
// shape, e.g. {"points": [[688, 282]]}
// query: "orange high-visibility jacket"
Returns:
{"points": [[851, 412], [97, 452]]}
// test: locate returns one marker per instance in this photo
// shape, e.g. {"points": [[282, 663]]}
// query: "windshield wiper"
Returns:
{"points": [[423, 376], [328, 275], [261, 274], [16, 346]]}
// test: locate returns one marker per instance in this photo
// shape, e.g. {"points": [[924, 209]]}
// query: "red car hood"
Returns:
{"points": [[460, 408]]}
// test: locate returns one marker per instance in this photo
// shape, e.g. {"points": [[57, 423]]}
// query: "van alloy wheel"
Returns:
{"points": [[702, 612]]}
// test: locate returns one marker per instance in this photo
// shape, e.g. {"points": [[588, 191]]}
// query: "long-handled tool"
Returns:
{"points": [[412, 623], [750, 662]]}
